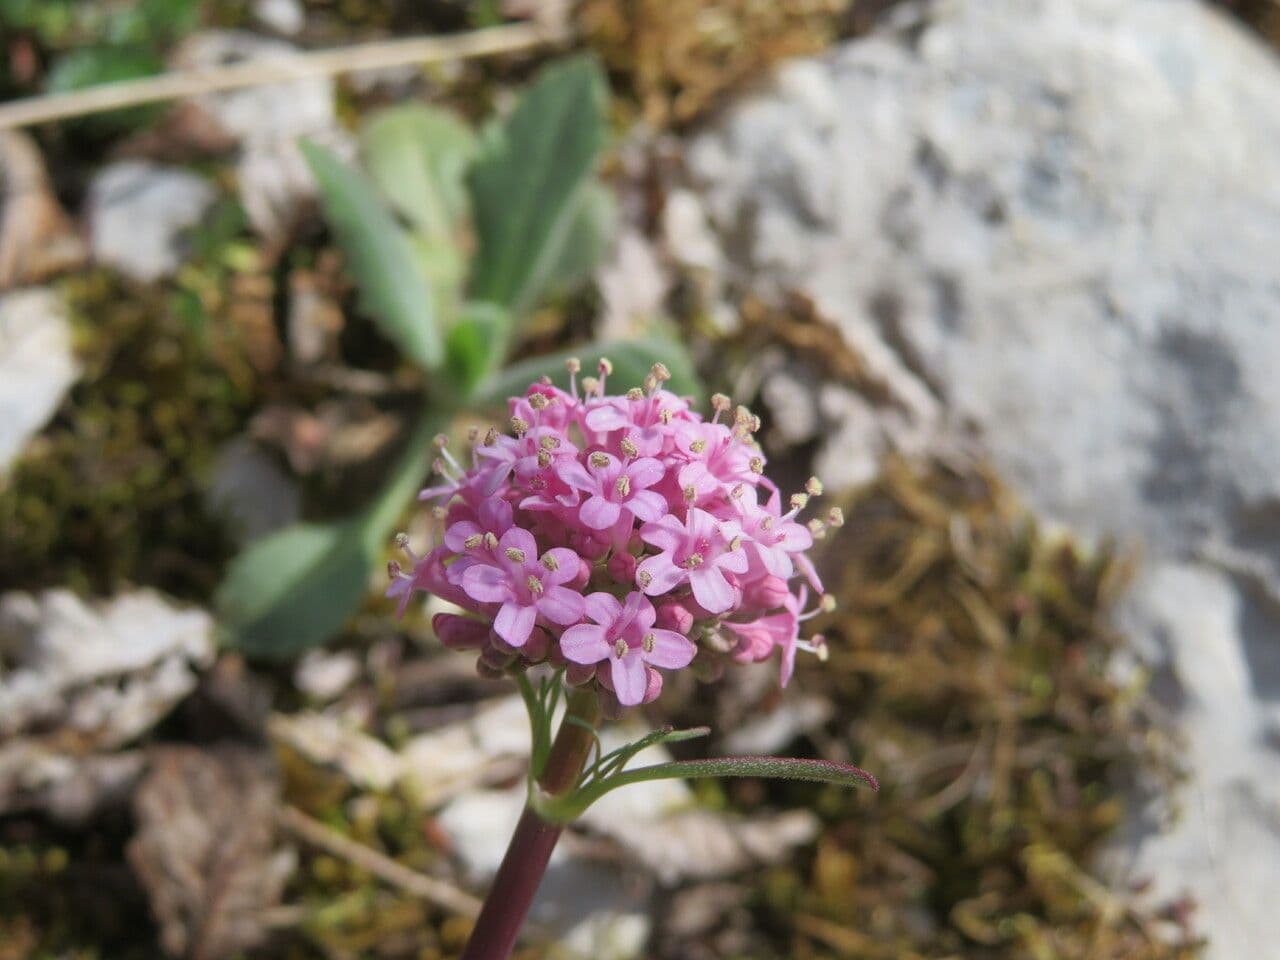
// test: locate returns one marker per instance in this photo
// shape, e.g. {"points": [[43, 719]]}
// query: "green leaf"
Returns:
{"points": [[569, 808], [595, 218], [525, 185], [475, 344], [418, 156], [393, 286], [293, 589], [631, 361]]}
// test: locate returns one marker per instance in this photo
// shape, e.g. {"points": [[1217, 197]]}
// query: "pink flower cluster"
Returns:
{"points": [[616, 535]]}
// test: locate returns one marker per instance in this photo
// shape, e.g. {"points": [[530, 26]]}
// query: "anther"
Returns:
{"points": [[550, 562], [599, 460], [690, 493], [538, 401], [799, 501], [590, 385], [694, 561], [440, 441], [756, 464], [573, 365], [519, 427], [473, 541], [605, 367], [650, 383], [515, 554], [491, 540], [813, 487], [827, 604], [665, 415], [534, 584], [629, 447], [698, 446], [634, 394], [490, 437], [620, 648], [402, 541], [817, 528], [720, 403], [549, 442], [644, 578], [544, 459], [738, 491], [439, 512], [393, 569], [649, 642], [835, 517], [623, 486], [660, 372], [735, 544]]}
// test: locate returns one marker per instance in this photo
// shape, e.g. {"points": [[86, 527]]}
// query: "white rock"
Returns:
{"points": [[283, 16], [252, 491], [324, 675], [37, 365], [1056, 222], [108, 673], [138, 213]]}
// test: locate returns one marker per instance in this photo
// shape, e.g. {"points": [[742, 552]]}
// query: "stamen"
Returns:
{"points": [[549, 442], [590, 385], [690, 493], [766, 522], [799, 501], [620, 648], [817, 528], [539, 401], [515, 554], [738, 491], [544, 459], [660, 372], [720, 404], [473, 541], [827, 604], [813, 487], [573, 365], [650, 384], [665, 415], [756, 465], [550, 562], [623, 486], [629, 447], [835, 517], [649, 642], [694, 561], [519, 427], [393, 569], [491, 540], [605, 367], [490, 437], [735, 544], [440, 441], [644, 578], [534, 584], [634, 394], [698, 446], [599, 460], [402, 541], [439, 512]]}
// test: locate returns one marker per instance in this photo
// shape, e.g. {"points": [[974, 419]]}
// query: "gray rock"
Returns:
{"points": [[1056, 222], [37, 365], [138, 213]]}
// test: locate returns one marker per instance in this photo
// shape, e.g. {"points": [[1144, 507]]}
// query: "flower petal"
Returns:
{"points": [[599, 513], [665, 534], [519, 539], [645, 472], [486, 584], [456, 536], [711, 589], [603, 608], [561, 605], [585, 643], [670, 650], [567, 564], [663, 575], [647, 505], [630, 679], [514, 623]]}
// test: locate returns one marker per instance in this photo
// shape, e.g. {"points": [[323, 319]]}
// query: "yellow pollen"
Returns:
{"points": [[402, 541], [665, 415], [835, 517], [573, 365], [490, 437], [538, 401], [756, 464], [550, 562], [599, 460], [720, 402], [694, 561], [605, 367], [735, 544], [473, 541], [440, 441], [660, 372], [827, 603], [519, 427], [644, 578], [649, 642], [549, 442], [515, 555], [491, 540], [534, 584], [690, 494], [650, 383], [590, 384], [635, 393], [544, 459], [799, 501], [766, 523], [623, 486], [698, 446], [628, 447], [813, 487], [620, 648], [738, 491]]}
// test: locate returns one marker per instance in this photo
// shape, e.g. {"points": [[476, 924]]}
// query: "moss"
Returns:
{"points": [[111, 491], [970, 671]]}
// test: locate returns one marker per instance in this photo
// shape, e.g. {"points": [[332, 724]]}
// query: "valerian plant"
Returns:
{"points": [[606, 540], [452, 239]]}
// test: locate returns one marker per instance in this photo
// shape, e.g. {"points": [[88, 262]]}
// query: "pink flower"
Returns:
{"points": [[700, 549], [625, 637], [613, 488], [525, 585]]}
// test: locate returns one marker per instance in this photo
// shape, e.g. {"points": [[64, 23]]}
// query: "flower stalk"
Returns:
{"points": [[531, 846]]}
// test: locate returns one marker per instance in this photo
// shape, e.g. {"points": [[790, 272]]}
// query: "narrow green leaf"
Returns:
{"points": [[294, 589], [475, 344], [631, 361], [418, 156], [569, 808], [393, 286], [594, 221], [526, 182]]}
